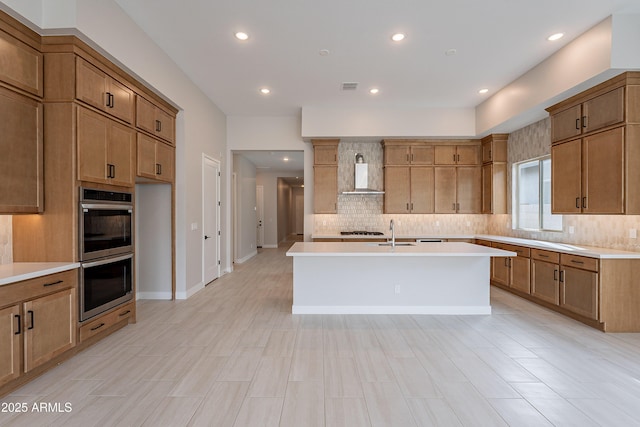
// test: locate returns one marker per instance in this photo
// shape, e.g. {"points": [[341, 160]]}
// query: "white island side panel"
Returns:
{"points": [[365, 284]]}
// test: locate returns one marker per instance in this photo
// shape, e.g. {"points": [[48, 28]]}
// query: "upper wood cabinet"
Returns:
{"points": [[402, 155], [21, 63], [409, 189], [494, 148], [593, 114], [155, 159], [103, 92], [21, 164], [457, 189], [595, 158], [457, 154], [153, 119], [105, 149], [494, 174], [325, 151], [325, 175]]}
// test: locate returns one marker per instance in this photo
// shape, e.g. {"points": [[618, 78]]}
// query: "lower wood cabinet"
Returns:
{"points": [[105, 321], [579, 285], [512, 272], [545, 283], [37, 322]]}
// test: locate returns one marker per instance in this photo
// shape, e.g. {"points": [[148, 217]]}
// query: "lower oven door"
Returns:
{"points": [[104, 284]]}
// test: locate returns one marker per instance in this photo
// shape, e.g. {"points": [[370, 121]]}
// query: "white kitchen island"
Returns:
{"points": [[366, 278]]}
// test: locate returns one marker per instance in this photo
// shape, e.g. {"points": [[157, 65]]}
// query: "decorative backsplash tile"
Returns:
{"points": [[6, 248], [373, 156]]}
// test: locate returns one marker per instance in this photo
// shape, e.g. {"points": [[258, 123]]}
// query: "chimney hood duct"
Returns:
{"points": [[362, 178]]}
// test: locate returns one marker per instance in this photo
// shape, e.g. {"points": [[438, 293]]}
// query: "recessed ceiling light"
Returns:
{"points": [[483, 91], [241, 35], [374, 90], [323, 52], [450, 52], [397, 37], [555, 37], [286, 159], [265, 91]]}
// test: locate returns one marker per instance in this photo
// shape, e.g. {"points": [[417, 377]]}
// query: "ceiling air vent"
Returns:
{"points": [[349, 86]]}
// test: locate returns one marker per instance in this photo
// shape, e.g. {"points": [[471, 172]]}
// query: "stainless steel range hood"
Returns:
{"points": [[361, 178]]}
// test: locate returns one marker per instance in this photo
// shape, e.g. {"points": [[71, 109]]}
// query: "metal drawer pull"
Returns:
{"points": [[577, 262], [97, 327], [125, 313], [543, 256], [54, 283]]}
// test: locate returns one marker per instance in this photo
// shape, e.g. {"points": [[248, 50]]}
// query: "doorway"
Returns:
{"points": [[259, 215], [210, 219]]}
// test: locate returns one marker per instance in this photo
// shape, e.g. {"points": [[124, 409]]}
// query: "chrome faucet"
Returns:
{"points": [[393, 234]]}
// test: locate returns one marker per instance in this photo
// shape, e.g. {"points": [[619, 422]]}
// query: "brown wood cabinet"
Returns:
{"points": [[512, 272], [325, 175], [587, 174], [409, 189], [409, 154], [494, 174], [457, 154], [154, 159], [595, 160], [100, 90], [457, 189], [105, 150], [38, 322], [153, 119], [21, 61], [21, 165], [121, 314], [579, 285], [545, 283]]}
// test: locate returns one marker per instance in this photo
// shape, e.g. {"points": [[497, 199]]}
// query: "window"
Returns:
{"points": [[532, 196]]}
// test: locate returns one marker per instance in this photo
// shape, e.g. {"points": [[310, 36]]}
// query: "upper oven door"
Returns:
{"points": [[105, 230]]}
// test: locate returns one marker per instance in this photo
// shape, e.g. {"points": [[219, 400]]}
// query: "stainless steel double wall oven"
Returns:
{"points": [[106, 250]]}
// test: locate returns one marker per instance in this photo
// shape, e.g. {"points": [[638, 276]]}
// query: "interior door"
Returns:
{"points": [[210, 220], [259, 215]]}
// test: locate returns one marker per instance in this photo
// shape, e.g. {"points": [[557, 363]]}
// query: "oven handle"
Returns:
{"points": [[107, 207], [106, 261]]}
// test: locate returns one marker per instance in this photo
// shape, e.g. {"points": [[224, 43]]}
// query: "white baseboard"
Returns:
{"points": [[270, 246], [363, 309], [190, 292], [153, 295], [247, 258]]}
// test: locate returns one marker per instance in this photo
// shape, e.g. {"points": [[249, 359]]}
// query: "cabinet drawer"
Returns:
{"points": [[34, 288], [543, 255], [582, 262], [520, 250], [105, 321]]}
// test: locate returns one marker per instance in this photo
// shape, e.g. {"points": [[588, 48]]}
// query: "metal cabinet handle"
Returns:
{"points": [[30, 313], [17, 316], [584, 202], [158, 126], [584, 121], [158, 169], [97, 327], [577, 202], [561, 276], [577, 124], [54, 283], [125, 313], [110, 100], [577, 262], [555, 275]]}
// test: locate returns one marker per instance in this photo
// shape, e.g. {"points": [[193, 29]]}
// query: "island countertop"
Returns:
{"points": [[438, 249]]}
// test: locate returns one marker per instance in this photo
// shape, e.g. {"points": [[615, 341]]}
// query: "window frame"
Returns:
{"points": [[515, 204]]}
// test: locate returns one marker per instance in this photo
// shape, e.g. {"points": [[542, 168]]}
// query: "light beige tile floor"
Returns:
{"points": [[234, 355]]}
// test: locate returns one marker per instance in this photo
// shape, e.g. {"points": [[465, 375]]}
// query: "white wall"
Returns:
{"points": [[200, 127], [246, 245]]}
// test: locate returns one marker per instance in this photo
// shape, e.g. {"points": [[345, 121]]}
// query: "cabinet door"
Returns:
{"points": [[21, 165], [579, 291], [566, 124], [325, 155], [521, 274], [468, 191], [468, 154], [145, 115], [445, 189], [422, 190], [397, 189], [445, 154], [92, 135], [422, 155], [604, 110], [544, 281], [166, 126], [122, 103], [50, 327], [165, 155], [91, 85], [500, 271], [325, 192], [603, 172], [396, 155], [10, 333], [120, 154], [21, 64], [146, 156], [566, 177]]}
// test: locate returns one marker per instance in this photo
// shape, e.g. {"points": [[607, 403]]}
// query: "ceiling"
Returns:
{"points": [[495, 41]]}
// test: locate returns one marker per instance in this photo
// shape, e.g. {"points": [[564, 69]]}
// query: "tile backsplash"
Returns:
{"points": [[6, 248]]}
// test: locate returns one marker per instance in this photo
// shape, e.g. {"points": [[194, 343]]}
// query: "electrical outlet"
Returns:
{"points": [[572, 229], [194, 226], [437, 223], [633, 233], [397, 289]]}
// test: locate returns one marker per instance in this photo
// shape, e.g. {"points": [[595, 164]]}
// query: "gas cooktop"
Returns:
{"points": [[362, 233]]}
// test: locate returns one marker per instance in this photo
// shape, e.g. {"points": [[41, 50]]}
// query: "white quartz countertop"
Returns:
{"points": [[19, 271], [444, 249], [388, 236], [588, 251]]}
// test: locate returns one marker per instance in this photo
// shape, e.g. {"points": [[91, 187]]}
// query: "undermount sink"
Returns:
{"points": [[397, 244]]}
